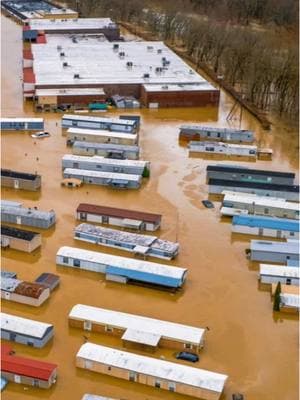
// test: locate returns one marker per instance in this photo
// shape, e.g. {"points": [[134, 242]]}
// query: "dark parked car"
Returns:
{"points": [[185, 355]]}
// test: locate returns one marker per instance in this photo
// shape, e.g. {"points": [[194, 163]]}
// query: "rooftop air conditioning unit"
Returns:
{"points": [[59, 47], [65, 64], [129, 64], [62, 54], [146, 76], [165, 87], [191, 72], [150, 48], [158, 70], [122, 54], [76, 76], [115, 46]]}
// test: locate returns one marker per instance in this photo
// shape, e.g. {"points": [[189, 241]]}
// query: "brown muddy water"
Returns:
{"points": [[255, 348]]}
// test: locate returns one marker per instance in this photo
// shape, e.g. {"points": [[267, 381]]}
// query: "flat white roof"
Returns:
{"points": [[290, 300], [102, 160], [12, 119], [99, 63], [167, 370], [70, 23], [139, 336], [264, 201], [9, 203], [102, 174], [69, 92], [221, 144], [108, 120], [179, 87], [23, 326], [278, 270], [291, 247], [106, 146], [101, 132], [122, 262], [170, 330]]}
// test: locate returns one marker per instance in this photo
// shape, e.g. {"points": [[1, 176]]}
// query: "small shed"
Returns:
{"points": [[19, 239], [27, 371], [20, 180], [274, 252], [134, 242], [107, 150], [132, 219], [123, 270], [269, 274], [150, 371], [25, 331], [28, 216], [111, 179], [265, 226]]}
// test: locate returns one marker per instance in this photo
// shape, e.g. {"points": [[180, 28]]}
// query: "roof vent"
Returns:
{"points": [[76, 76], [150, 48], [158, 70], [159, 51], [146, 76], [129, 64], [59, 47], [122, 54], [65, 64], [191, 72], [62, 54], [165, 87], [116, 46]]}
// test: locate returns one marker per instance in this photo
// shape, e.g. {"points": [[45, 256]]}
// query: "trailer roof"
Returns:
{"points": [[17, 233], [266, 222], [221, 144], [108, 120], [106, 146], [254, 185], [122, 262], [69, 92], [88, 396], [106, 161], [28, 212], [215, 129], [290, 300], [138, 323], [279, 270], [13, 119], [248, 171], [102, 132], [265, 201], [24, 326], [154, 367], [8, 173], [102, 174], [49, 25], [275, 247]]}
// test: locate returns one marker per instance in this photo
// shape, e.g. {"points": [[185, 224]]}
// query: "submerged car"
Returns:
{"points": [[40, 135], [185, 355]]}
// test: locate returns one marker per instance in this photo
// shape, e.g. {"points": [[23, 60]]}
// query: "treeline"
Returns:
{"points": [[260, 64]]}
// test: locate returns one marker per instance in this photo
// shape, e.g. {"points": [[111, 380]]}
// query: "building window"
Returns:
{"points": [[109, 328], [157, 383], [292, 233], [65, 260], [266, 211], [288, 281], [188, 346], [172, 386], [109, 368], [76, 263], [77, 234], [132, 376]]}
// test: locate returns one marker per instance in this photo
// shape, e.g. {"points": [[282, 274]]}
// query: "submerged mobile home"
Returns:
{"points": [[29, 293], [198, 132], [28, 216], [222, 149], [20, 180], [22, 124], [244, 174], [131, 219], [19, 239], [289, 302], [265, 226], [121, 269], [96, 163], [136, 243], [150, 371], [135, 330], [107, 150], [269, 274], [25, 331], [100, 136], [114, 180], [104, 123], [276, 252], [235, 203], [288, 192]]}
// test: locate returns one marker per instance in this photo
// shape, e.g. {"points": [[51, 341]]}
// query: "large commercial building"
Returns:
{"points": [[148, 71]]}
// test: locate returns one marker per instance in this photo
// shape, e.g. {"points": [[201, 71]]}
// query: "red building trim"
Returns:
{"points": [[28, 75]]}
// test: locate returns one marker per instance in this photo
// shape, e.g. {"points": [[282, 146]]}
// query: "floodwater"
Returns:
{"points": [[246, 341]]}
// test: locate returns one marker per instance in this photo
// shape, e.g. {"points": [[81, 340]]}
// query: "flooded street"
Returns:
{"points": [[257, 350]]}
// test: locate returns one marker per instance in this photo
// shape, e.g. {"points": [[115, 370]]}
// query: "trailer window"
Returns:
{"points": [[65, 260], [171, 386], [76, 263]]}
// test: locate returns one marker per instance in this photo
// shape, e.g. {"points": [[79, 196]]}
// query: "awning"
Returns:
{"points": [[150, 339], [141, 249], [132, 223]]}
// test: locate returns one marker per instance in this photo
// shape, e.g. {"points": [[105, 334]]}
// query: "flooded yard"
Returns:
{"points": [[245, 340]]}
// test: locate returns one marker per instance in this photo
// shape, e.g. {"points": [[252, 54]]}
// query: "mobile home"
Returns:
{"points": [[107, 150], [222, 149], [25, 331], [96, 163], [136, 243], [137, 220], [235, 203], [19, 239], [100, 136], [50, 281], [289, 302], [26, 371], [22, 124], [114, 180], [244, 174], [28, 216], [288, 192], [29, 293], [105, 123], [121, 269], [198, 132], [265, 226], [135, 330], [157, 373], [20, 180], [269, 274], [277, 252]]}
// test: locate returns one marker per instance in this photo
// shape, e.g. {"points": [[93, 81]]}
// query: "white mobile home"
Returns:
{"points": [[114, 180], [121, 269], [199, 132], [269, 273], [22, 124], [235, 203], [223, 149], [107, 150], [137, 329], [96, 163], [276, 252], [25, 331], [289, 302], [105, 123], [100, 136], [157, 373]]}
